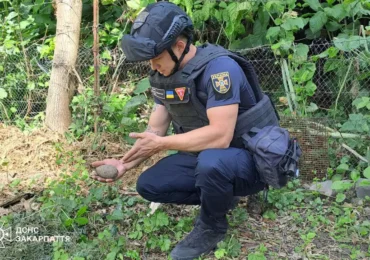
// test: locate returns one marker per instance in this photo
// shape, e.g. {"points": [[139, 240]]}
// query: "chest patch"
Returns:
{"points": [[180, 92], [221, 82], [173, 96]]}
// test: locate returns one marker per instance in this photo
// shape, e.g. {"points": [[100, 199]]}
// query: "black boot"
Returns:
{"points": [[234, 203], [201, 240]]}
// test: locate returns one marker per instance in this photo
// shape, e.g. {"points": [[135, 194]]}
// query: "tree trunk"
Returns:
{"points": [[63, 80]]}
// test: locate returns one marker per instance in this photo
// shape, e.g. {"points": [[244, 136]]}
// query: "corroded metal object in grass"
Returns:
{"points": [[107, 171]]}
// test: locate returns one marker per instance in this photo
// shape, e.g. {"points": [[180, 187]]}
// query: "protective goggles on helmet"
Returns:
{"points": [[138, 48]]}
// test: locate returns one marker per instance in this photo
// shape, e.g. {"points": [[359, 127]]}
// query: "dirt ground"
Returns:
{"points": [[29, 160]]}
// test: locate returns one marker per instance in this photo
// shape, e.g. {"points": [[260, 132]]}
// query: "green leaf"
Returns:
{"points": [[68, 222], [310, 35], [81, 211], [103, 69], [218, 15], [310, 91], [355, 175], [367, 172], [269, 214], [106, 55], [312, 107], [221, 252], [311, 235], [242, 6], [300, 53], [107, 2], [233, 247], [337, 177], [133, 103], [341, 185], [293, 24], [3, 93], [347, 44], [64, 257], [305, 73], [133, 4], [165, 246], [272, 33], [223, 5], [318, 21], [232, 10], [363, 102], [127, 121], [161, 219], [337, 12], [340, 197], [143, 86], [111, 256], [364, 183], [332, 51], [31, 85], [260, 25], [116, 215], [342, 168], [331, 65], [23, 24], [15, 183], [333, 26], [81, 221], [11, 15], [256, 256], [314, 4]]}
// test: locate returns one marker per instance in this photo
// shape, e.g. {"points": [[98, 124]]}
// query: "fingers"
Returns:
{"points": [[132, 158], [96, 177], [127, 158], [137, 135], [97, 163]]}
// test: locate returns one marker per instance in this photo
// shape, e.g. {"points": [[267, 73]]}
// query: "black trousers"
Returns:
{"points": [[210, 179]]}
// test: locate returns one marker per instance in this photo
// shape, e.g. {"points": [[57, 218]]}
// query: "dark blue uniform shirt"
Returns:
{"points": [[242, 92]]}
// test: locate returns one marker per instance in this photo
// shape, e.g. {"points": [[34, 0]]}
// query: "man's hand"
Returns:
{"points": [[147, 145], [116, 163]]}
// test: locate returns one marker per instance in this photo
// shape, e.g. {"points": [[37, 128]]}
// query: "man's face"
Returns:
{"points": [[163, 63]]}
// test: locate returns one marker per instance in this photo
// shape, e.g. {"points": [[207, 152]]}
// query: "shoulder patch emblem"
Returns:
{"points": [[180, 92], [221, 82]]}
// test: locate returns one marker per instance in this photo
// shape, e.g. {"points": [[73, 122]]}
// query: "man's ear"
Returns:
{"points": [[180, 45]]}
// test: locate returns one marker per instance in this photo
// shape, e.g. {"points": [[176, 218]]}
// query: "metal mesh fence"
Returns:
{"points": [[339, 81], [313, 138]]}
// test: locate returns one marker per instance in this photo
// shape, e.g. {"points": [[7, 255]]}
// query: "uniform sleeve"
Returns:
{"points": [[222, 81]]}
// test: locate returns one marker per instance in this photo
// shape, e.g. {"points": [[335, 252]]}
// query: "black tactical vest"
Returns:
{"points": [[179, 94]]}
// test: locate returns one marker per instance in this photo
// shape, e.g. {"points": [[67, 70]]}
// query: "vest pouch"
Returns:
{"points": [[178, 110]]}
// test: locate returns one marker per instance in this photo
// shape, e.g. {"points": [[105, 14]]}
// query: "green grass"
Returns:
{"points": [[104, 223]]}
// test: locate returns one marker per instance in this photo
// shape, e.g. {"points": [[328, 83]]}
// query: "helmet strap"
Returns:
{"points": [[175, 59]]}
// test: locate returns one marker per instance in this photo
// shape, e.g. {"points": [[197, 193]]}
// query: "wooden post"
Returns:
{"points": [[96, 63]]}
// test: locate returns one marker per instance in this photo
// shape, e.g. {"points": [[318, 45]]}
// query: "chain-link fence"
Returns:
{"points": [[337, 82]]}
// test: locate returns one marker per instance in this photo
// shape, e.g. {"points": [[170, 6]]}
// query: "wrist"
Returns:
{"points": [[122, 168], [127, 166], [163, 143]]}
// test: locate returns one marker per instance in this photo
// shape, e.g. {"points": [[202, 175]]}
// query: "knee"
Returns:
{"points": [[211, 166], [144, 188], [207, 162]]}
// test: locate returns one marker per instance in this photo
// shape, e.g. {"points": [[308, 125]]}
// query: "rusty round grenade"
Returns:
{"points": [[107, 171]]}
